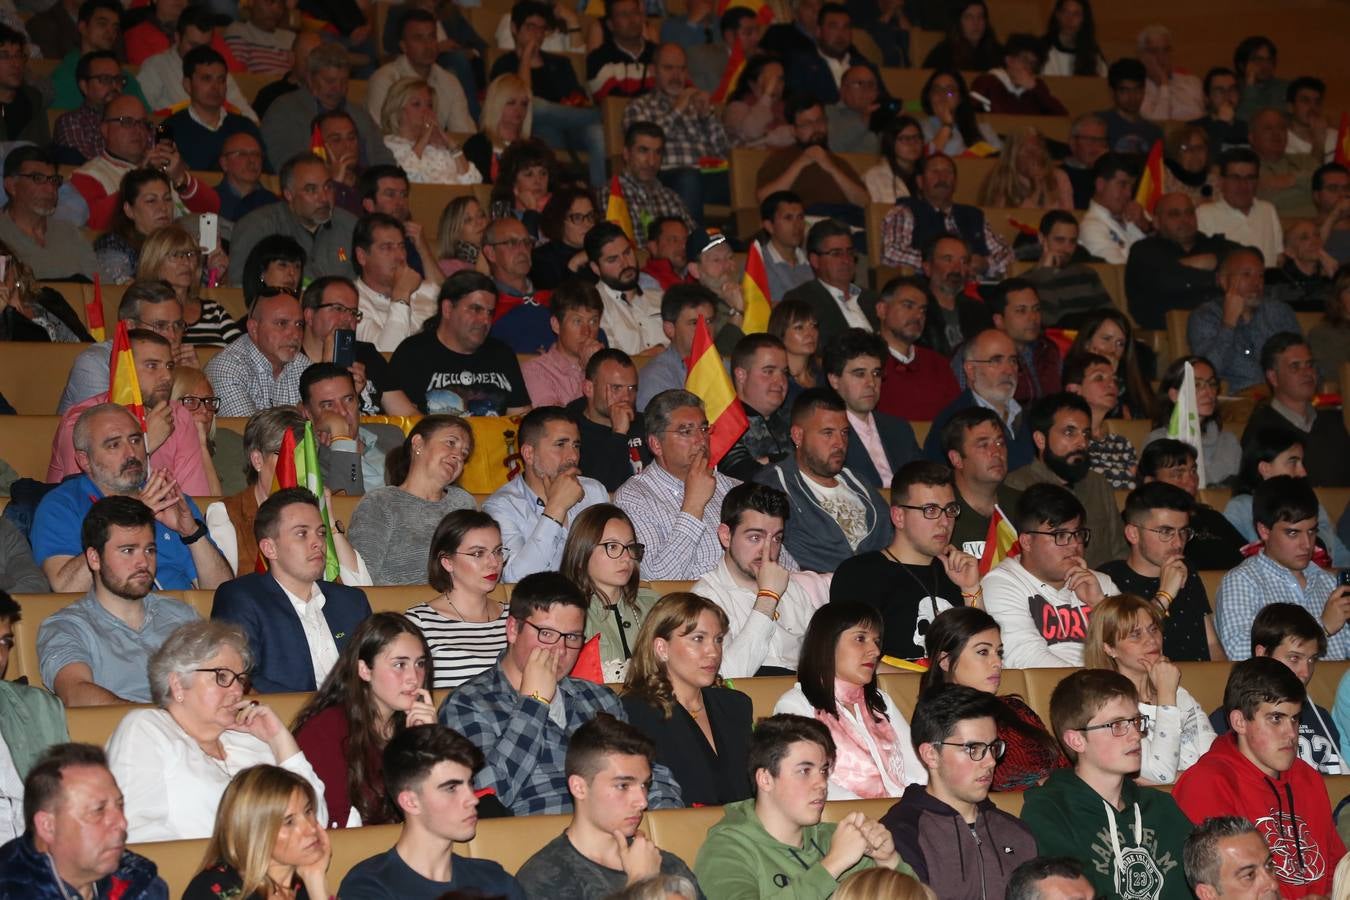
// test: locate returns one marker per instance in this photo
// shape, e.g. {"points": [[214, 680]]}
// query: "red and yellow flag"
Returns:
{"points": [[708, 379], [1342, 155], [93, 312], [755, 291], [588, 666], [316, 144], [1000, 542], [1151, 182], [731, 74], [298, 466], [616, 209], [124, 388]]}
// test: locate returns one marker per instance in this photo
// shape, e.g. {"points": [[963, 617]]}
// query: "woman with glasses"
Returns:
{"points": [[146, 207], [172, 255], [965, 646], [568, 215], [393, 525], [1107, 332], [465, 624], [1187, 165], [837, 684], [602, 558], [902, 146], [1223, 452], [380, 685], [674, 695], [175, 761], [1093, 378], [192, 390], [950, 126], [427, 154], [1125, 634]]}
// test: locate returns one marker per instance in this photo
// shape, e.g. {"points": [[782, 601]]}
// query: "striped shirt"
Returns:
{"points": [[459, 650], [215, 328], [261, 52]]}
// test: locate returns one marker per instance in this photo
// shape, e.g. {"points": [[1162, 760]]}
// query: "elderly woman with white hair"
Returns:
{"points": [[173, 763]]}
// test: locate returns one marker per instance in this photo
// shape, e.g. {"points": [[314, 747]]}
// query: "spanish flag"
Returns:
{"points": [[755, 292], [616, 209], [298, 466], [1000, 542], [93, 312], [731, 74], [124, 388], [1151, 182], [708, 379], [588, 666], [761, 9], [316, 144], [1343, 141]]}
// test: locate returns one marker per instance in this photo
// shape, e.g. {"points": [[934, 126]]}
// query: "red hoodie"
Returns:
{"points": [[1292, 812]]}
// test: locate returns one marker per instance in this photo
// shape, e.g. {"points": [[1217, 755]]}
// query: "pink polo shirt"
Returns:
{"points": [[181, 454], [552, 379]]}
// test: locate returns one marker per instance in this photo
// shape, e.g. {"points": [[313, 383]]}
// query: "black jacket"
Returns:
{"points": [[705, 778]]}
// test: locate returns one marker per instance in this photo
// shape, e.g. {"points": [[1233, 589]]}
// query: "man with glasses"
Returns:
{"points": [[1087, 143], [1331, 197], [1292, 375], [1015, 305], [957, 841], [25, 117], [394, 299], [84, 88], [1170, 95], [850, 119], [536, 509], [329, 303], [522, 711], [917, 221], [1237, 213], [1176, 266], [53, 248], [1129, 837], [838, 303], [1042, 596], [825, 182], [990, 367], [94, 652], [1158, 529], [921, 573], [522, 318], [296, 623], [241, 190]]}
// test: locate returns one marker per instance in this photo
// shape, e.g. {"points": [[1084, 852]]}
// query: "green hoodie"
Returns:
{"points": [[1069, 818], [739, 860]]}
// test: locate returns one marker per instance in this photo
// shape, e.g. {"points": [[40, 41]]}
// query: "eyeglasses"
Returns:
{"points": [[109, 80], [226, 677], [40, 179], [129, 121], [580, 218], [195, 403], [482, 553], [688, 431], [616, 549], [1211, 383], [839, 253], [342, 310], [550, 636], [994, 361], [520, 243], [977, 749], [163, 325], [932, 510], [1166, 533], [1065, 538], [189, 255], [1120, 727]]}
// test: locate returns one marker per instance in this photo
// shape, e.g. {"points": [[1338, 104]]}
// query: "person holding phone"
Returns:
{"points": [[380, 686]]}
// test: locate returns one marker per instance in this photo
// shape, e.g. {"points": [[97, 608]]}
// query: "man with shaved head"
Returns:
{"points": [[990, 367], [1173, 268], [1231, 331]]}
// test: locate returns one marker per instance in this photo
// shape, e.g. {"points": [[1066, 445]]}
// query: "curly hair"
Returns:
{"points": [[674, 614]]}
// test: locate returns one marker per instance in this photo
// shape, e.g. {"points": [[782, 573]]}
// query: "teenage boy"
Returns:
{"points": [[1158, 528], [609, 769], [428, 771], [955, 736], [1290, 634], [1254, 772], [774, 844], [1128, 837]]}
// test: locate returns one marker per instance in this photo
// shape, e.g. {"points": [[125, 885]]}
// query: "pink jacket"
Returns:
{"points": [[181, 454]]}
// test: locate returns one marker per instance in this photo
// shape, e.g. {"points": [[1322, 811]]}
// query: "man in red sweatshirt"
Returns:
{"points": [[1254, 772]]}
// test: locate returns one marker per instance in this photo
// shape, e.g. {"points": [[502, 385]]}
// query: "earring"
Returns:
{"points": [[178, 697], [664, 659]]}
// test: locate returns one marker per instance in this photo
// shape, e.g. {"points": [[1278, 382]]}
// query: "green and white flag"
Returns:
{"points": [[1185, 424]]}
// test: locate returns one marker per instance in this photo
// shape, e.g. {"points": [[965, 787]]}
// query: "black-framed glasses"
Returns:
{"points": [[226, 677], [40, 178], [1065, 538], [482, 553], [580, 218], [195, 403], [1167, 534], [130, 121], [342, 310], [1120, 727], [932, 510], [976, 750], [550, 636], [616, 549]]}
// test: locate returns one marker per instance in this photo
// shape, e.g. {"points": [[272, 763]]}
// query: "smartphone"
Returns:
{"points": [[1344, 578], [163, 132], [344, 348], [208, 232]]}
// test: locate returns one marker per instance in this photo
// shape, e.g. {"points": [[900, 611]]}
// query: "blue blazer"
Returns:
{"points": [[257, 604], [897, 439]]}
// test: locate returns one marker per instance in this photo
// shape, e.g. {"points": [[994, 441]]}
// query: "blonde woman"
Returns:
{"points": [[1026, 178], [192, 389], [459, 236], [1125, 635], [880, 883], [171, 254], [268, 843], [426, 153], [506, 118]]}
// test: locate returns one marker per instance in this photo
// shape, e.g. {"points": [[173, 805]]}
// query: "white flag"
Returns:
{"points": [[1185, 424]]}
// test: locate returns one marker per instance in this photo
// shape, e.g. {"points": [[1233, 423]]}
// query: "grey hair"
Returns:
{"points": [[656, 418], [1149, 31], [286, 176], [187, 648], [264, 432], [1200, 855], [1085, 119], [327, 56], [658, 887], [138, 292], [80, 436]]}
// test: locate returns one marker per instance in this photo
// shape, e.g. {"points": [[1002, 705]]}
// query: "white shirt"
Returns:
{"points": [[1177, 737], [11, 794], [633, 323], [1106, 237], [323, 651], [161, 80], [1298, 145], [754, 639], [172, 788], [452, 107], [837, 66], [1259, 227], [1043, 626], [848, 305], [1182, 99], [385, 323]]}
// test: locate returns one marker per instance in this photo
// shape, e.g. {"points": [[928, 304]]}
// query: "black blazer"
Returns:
{"points": [[897, 439], [705, 778], [828, 315]]}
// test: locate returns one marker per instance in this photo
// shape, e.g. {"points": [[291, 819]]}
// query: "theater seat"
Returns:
{"points": [[511, 841]]}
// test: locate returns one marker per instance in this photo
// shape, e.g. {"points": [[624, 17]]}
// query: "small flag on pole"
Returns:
{"points": [[1185, 423], [755, 291], [1151, 182], [93, 312], [708, 379], [616, 209], [316, 145], [298, 466], [1000, 542], [124, 388], [731, 74]]}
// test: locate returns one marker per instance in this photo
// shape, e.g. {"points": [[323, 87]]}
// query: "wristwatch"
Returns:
{"points": [[196, 536]]}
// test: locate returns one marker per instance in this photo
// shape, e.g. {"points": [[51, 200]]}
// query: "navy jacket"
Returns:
{"points": [[808, 74], [1021, 450], [813, 536], [897, 439], [257, 604], [26, 874]]}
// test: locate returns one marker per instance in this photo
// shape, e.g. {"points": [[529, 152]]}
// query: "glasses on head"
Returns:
{"points": [[571, 639], [195, 403], [1065, 538], [976, 750], [932, 510], [342, 310], [189, 255], [688, 431], [1167, 534], [226, 677], [40, 179], [482, 553], [1120, 727], [616, 549], [129, 121], [163, 325]]}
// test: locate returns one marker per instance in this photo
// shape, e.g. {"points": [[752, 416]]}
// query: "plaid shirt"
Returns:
{"points": [[897, 242], [79, 130], [689, 137], [647, 203], [243, 378], [1260, 581], [525, 749]]}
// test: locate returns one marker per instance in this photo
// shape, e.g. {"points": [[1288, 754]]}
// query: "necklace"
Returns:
{"points": [[463, 618], [932, 594], [694, 711]]}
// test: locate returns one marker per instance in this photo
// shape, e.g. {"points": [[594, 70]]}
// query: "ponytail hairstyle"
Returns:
{"points": [[399, 460]]}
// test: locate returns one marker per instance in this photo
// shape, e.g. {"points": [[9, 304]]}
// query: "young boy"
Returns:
{"points": [[609, 770], [774, 844], [1254, 772], [1290, 634], [1128, 837], [955, 736]]}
